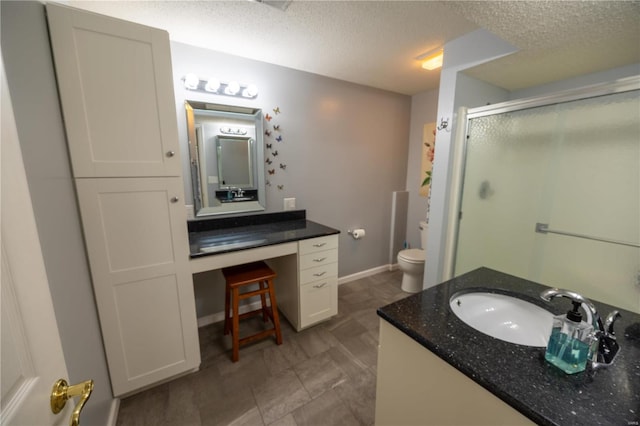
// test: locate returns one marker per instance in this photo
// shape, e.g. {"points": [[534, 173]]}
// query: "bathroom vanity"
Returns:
{"points": [[435, 369], [303, 253], [128, 175]]}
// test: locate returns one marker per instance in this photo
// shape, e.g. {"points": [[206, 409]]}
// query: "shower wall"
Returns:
{"points": [[574, 166]]}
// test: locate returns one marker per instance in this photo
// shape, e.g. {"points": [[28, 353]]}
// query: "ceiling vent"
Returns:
{"points": [[278, 4]]}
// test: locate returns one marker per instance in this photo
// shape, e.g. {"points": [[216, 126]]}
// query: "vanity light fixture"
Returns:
{"points": [[431, 60], [213, 85]]}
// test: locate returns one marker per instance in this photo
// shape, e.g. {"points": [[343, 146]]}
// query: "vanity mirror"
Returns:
{"points": [[227, 158]]}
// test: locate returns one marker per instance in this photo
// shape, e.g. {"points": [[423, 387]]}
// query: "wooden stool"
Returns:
{"points": [[237, 277]]}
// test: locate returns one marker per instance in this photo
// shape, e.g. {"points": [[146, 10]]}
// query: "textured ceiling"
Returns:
{"points": [[557, 39], [376, 43]]}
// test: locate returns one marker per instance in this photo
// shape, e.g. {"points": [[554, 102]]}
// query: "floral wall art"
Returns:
{"points": [[428, 149]]}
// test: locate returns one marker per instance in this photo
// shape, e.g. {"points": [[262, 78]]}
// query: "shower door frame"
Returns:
{"points": [[464, 117]]}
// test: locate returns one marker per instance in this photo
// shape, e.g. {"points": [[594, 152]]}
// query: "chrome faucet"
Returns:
{"points": [[607, 346], [233, 192]]}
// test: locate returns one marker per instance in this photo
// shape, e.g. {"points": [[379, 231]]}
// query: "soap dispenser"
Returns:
{"points": [[570, 342]]}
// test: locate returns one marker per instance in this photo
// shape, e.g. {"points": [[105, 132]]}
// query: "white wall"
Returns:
{"points": [[424, 107], [580, 81], [464, 52], [30, 74]]}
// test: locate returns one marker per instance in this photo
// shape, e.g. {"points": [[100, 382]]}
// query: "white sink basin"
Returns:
{"points": [[504, 317]]}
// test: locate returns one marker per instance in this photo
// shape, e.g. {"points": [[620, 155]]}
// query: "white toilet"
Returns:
{"points": [[411, 262]]}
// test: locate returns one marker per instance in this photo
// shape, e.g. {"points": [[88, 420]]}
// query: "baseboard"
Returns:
{"points": [[364, 274], [113, 412]]}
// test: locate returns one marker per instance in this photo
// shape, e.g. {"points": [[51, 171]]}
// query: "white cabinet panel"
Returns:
{"points": [[313, 245], [414, 386], [307, 290], [318, 273], [149, 313], [318, 258], [317, 285], [116, 93], [318, 301], [138, 250]]}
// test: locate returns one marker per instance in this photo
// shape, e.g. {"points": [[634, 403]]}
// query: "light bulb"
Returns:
{"points": [[213, 84], [232, 88], [191, 81], [251, 91]]}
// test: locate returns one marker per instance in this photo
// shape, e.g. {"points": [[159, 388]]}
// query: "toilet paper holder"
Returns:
{"points": [[356, 233]]}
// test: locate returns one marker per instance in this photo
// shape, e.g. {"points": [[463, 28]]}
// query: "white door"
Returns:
{"points": [[32, 359]]}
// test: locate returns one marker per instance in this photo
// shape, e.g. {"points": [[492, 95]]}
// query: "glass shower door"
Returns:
{"points": [[574, 167]]}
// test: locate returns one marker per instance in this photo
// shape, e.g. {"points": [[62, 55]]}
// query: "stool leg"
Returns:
{"points": [[227, 308], [274, 311], [235, 333], [263, 298]]}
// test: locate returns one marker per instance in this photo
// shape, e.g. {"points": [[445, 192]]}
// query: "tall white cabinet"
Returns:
{"points": [[115, 85]]}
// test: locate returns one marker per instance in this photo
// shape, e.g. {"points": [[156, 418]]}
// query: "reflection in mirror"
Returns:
{"points": [[235, 161], [226, 155]]}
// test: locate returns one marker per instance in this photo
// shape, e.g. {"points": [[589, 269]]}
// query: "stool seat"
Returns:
{"points": [[237, 277]]}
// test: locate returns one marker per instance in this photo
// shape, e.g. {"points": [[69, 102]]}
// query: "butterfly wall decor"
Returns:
{"points": [[272, 171], [274, 153], [269, 145], [276, 110], [280, 187], [276, 127], [279, 138], [283, 166], [268, 117], [267, 132], [268, 182], [269, 161]]}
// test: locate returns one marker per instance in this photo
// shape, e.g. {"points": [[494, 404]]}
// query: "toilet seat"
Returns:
{"points": [[412, 255]]}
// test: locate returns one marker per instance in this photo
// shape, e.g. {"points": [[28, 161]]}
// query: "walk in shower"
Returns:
{"points": [[551, 192]]}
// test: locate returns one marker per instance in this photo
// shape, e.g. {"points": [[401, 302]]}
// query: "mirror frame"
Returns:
{"points": [[250, 114]]}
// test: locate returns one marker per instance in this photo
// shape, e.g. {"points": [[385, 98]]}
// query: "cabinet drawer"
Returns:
{"points": [[318, 301], [317, 259], [318, 273], [318, 244]]}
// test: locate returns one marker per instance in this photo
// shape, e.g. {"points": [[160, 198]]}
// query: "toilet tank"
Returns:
{"points": [[424, 230]]}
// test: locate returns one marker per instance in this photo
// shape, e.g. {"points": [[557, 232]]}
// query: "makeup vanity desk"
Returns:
{"points": [[303, 253]]}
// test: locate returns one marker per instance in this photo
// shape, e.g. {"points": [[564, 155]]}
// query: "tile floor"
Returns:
{"points": [[324, 375]]}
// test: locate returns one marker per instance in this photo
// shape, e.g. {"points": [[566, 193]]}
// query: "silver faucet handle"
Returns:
{"points": [[550, 293], [610, 321]]}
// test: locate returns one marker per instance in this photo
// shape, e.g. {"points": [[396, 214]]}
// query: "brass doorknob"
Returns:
{"points": [[61, 392]]}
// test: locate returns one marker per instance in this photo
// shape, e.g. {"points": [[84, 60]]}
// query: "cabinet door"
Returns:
{"points": [[318, 301], [116, 91], [136, 237]]}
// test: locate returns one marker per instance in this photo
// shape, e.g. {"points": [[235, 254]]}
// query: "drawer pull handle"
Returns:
{"points": [[320, 259], [320, 245], [320, 274], [320, 285]]}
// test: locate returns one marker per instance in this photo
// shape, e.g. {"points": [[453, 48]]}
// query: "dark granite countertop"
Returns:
{"points": [[216, 236], [518, 374]]}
